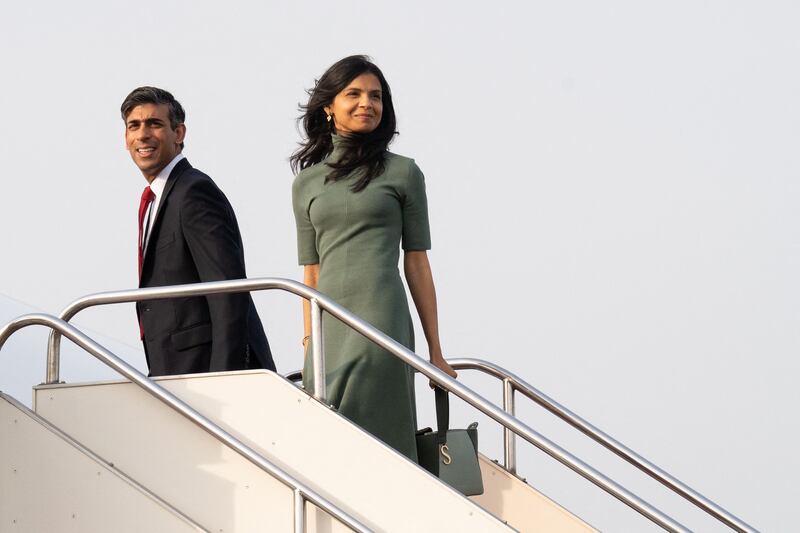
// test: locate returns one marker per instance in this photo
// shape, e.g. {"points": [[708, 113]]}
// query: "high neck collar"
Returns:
{"points": [[339, 146]]}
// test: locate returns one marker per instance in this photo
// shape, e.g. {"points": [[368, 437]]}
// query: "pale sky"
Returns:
{"points": [[612, 186]]}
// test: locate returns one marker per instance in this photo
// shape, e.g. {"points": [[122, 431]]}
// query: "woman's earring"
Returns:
{"points": [[329, 118]]}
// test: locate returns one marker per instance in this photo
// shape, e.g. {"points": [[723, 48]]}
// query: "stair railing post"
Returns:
{"points": [[299, 512], [318, 352], [509, 442], [53, 357]]}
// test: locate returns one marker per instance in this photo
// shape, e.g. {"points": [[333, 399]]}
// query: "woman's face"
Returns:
{"points": [[358, 107]]}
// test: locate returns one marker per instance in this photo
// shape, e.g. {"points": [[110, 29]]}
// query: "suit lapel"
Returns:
{"points": [[182, 166]]}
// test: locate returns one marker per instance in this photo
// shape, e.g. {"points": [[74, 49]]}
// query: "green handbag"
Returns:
{"points": [[451, 454]]}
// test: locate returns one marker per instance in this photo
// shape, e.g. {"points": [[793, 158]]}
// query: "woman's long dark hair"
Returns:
{"points": [[362, 151]]}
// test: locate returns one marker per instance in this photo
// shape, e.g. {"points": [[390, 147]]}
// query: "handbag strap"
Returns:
{"points": [[442, 415]]}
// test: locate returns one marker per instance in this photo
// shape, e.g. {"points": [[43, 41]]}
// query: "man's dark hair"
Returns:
{"points": [[154, 95]]}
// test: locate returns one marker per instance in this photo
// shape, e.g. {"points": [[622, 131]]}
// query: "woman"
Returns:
{"points": [[354, 202]]}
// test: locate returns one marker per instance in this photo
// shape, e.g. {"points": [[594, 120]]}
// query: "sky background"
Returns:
{"points": [[612, 186]]}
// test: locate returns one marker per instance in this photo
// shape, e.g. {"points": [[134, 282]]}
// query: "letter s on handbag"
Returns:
{"points": [[451, 454]]}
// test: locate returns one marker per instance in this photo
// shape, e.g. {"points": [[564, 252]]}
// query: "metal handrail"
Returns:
{"points": [[320, 302], [302, 492], [512, 383]]}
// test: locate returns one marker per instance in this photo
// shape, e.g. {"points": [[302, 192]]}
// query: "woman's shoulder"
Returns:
{"points": [[309, 176], [402, 165], [397, 159], [312, 171]]}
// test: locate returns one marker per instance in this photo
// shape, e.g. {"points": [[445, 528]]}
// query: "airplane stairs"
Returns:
{"points": [[251, 451], [107, 456]]}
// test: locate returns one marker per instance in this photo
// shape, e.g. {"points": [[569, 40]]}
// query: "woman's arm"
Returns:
{"points": [[310, 278], [420, 283]]}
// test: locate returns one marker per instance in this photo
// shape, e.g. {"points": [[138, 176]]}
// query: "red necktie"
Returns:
{"points": [[147, 197]]}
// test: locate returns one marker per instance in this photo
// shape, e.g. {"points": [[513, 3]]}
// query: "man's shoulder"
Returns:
{"points": [[190, 179], [186, 174]]}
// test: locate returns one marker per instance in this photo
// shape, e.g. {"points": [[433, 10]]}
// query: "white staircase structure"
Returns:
{"points": [[252, 451], [49, 482]]}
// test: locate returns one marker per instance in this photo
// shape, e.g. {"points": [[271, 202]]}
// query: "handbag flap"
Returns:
{"points": [[458, 463], [451, 455]]}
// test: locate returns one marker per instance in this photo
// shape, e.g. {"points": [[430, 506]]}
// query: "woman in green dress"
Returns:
{"points": [[355, 204]]}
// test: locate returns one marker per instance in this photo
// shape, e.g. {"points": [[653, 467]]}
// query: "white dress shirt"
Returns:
{"points": [[157, 186]]}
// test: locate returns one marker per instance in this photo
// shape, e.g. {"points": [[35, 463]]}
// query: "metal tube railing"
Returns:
{"points": [[385, 342], [513, 383], [175, 403], [317, 352], [509, 444], [299, 512]]}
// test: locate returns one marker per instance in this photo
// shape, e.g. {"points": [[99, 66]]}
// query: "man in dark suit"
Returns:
{"points": [[187, 234]]}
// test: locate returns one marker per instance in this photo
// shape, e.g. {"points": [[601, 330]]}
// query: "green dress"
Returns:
{"points": [[355, 237]]}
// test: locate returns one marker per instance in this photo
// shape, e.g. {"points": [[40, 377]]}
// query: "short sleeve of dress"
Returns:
{"points": [[416, 229], [306, 234]]}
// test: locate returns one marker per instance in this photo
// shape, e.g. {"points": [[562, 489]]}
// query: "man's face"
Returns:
{"points": [[150, 138]]}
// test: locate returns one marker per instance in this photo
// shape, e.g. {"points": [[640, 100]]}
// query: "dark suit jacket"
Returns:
{"points": [[195, 238]]}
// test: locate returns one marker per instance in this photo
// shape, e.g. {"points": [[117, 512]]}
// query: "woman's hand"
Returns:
{"points": [[444, 366], [439, 362]]}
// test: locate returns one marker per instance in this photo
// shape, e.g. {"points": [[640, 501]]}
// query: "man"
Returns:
{"points": [[187, 234]]}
